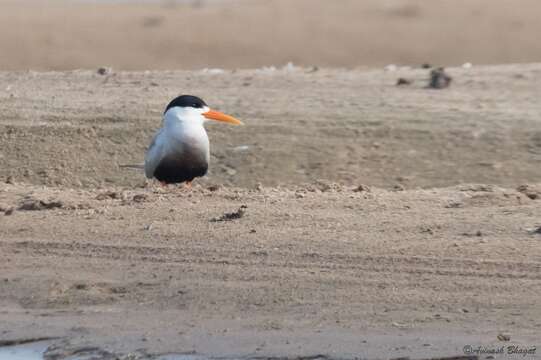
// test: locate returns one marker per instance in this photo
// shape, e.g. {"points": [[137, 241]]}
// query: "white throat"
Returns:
{"points": [[184, 130], [184, 116]]}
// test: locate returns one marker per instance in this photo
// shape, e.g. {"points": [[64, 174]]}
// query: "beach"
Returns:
{"points": [[381, 222], [358, 214]]}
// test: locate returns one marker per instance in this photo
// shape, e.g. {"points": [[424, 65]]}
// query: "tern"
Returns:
{"points": [[179, 152]]}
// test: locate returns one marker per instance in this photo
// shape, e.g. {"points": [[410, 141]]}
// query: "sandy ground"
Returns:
{"points": [[355, 127], [61, 35], [306, 270], [357, 234]]}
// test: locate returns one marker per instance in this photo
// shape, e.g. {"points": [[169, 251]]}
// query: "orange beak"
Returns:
{"points": [[216, 115]]}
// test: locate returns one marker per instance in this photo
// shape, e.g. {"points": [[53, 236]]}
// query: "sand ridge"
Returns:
{"points": [[355, 127]]}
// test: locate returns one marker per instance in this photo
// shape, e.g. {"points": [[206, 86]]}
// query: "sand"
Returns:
{"points": [[375, 221], [350, 218], [355, 127], [60, 35], [306, 270]]}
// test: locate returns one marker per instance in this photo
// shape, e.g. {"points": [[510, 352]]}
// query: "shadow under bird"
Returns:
{"points": [[180, 150]]}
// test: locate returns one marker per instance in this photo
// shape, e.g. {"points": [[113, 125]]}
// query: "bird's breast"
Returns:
{"points": [[189, 143], [185, 156]]}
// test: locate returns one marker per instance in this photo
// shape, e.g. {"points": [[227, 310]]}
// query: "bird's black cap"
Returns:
{"points": [[186, 101]]}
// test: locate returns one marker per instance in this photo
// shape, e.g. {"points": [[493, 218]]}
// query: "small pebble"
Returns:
{"points": [[403, 82], [439, 79], [105, 71]]}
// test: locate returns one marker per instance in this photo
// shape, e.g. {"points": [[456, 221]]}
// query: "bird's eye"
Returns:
{"points": [[196, 105]]}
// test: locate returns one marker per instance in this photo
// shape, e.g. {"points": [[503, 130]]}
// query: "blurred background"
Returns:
{"points": [[195, 34]]}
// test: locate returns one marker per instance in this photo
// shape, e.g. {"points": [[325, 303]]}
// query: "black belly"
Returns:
{"points": [[179, 170]]}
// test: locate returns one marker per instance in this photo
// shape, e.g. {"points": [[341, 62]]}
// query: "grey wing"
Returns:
{"points": [[154, 154]]}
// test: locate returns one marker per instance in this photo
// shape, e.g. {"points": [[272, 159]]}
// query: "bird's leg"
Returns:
{"points": [[188, 184], [164, 184]]}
